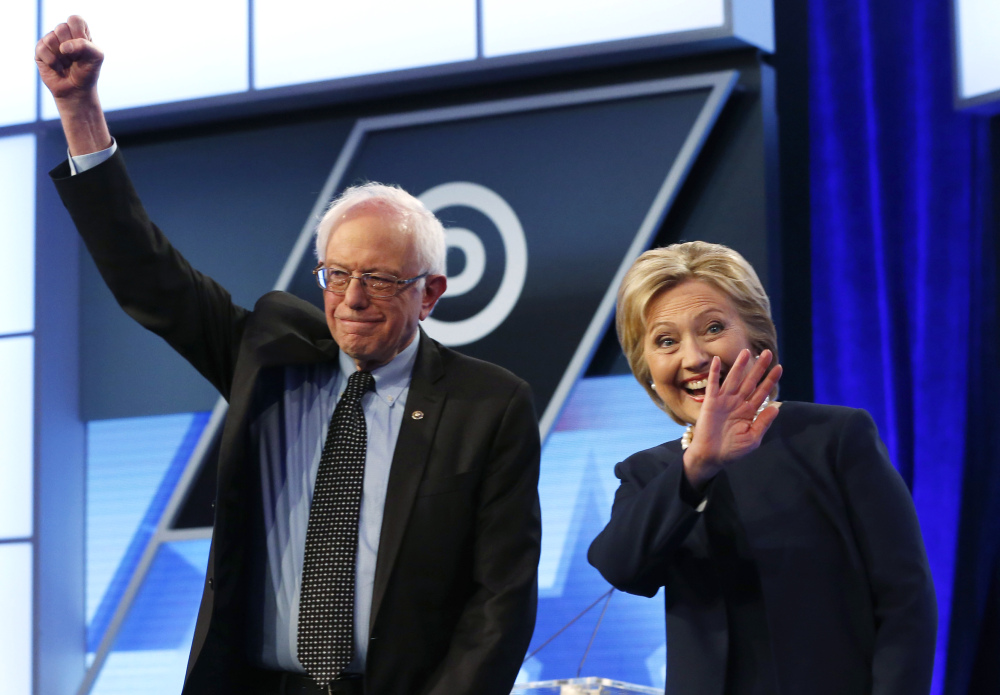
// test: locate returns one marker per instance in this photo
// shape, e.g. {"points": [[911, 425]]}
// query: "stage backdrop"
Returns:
{"points": [[547, 199]]}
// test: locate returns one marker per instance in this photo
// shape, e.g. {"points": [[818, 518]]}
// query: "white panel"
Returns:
{"points": [[17, 239], [16, 434], [158, 53], [308, 40], [978, 24], [18, 76], [753, 21], [516, 26], [15, 617]]}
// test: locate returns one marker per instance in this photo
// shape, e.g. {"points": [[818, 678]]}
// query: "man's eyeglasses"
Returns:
{"points": [[376, 285]]}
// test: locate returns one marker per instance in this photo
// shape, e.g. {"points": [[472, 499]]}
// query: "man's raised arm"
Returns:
{"points": [[69, 64]]}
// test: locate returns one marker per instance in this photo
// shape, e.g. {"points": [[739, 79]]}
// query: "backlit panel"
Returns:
{"points": [[127, 462], [517, 26], [17, 234], [978, 26], [18, 75], [156, 54], [151, 652], [16, 436], [605, 420], [308, 40], [15, 617]]}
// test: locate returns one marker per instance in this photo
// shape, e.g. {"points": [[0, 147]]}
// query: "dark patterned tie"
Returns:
{"points": [[326, 605]]}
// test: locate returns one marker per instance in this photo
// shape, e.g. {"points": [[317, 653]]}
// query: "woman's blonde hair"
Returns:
{"points": [[660, 270]]}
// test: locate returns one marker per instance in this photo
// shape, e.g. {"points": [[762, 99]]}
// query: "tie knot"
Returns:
{"points": [[358, 384]]}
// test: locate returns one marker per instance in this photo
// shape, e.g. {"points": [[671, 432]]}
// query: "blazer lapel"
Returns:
{"points": [[409, 460]]}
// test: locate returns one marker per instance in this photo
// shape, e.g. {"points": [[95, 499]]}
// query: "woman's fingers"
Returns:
{"points": [[712, 387], [746, 374], [755, 374], [766, 386], [737, 372]]}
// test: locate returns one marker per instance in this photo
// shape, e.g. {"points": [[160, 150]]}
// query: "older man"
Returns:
{"points": [[377, 523]]}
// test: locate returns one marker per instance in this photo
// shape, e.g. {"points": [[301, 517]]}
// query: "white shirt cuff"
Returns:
{"points": [[78, 165]]}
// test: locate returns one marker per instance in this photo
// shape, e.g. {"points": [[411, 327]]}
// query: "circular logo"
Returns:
{"points": [[482, 199]]}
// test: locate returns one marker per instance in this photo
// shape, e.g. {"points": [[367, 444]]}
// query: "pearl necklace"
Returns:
{"points": [[689, 432]]}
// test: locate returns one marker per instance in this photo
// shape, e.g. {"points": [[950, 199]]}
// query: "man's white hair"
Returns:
{"points": [[391, 203]]}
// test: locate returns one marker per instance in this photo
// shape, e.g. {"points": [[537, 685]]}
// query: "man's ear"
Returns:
{"points": [[434, 287]]}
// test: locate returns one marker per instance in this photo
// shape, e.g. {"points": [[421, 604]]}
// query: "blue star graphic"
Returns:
{"points": [[632, 630]]}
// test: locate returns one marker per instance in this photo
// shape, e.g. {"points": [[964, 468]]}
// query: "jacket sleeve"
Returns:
{"points": [[496, 624], [150, 280], [651, 517], [887, 533]]}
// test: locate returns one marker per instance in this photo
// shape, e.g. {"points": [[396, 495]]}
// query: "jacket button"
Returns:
{"points": [[211, 583]]}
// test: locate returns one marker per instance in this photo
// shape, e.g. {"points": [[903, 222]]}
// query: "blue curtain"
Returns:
{"points": [[974, 644], [900, 185]]}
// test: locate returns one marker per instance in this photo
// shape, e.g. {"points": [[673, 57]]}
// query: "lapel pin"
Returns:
{"points": [[418, 415]]}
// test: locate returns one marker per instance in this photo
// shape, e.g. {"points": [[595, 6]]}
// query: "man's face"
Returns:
{"points": [[373, 331]]}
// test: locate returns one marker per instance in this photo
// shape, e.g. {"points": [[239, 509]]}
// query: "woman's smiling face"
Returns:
{"points": [[686, 326]]}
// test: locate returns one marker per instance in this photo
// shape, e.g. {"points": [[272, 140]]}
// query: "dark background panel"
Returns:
{"points": [[581, 179], [233, 197], [233, 201], [724, 199]]}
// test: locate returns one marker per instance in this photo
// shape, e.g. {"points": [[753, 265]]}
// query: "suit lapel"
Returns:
{"points": [[409, 461]]}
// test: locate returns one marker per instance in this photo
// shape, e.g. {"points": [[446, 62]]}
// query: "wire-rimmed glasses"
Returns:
{"points": [[376, 285]]}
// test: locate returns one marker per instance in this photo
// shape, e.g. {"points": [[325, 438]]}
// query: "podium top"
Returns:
{"points": [[583, 686]]}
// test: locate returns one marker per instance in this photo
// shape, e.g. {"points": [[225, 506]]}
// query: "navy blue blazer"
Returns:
{"points": [[805, 572]]}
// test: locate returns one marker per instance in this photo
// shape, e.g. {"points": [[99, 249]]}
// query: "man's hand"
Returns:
{"points": [[729, 426], [68, 61], [69, 64]]}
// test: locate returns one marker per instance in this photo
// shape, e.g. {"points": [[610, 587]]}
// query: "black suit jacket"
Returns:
{"points": [[454, 599], [808, 547]]}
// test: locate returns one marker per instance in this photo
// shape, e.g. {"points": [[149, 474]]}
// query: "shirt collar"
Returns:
{"points": [[390, 379]]}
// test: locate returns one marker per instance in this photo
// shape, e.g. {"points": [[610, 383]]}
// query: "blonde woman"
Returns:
{"points": [[786, 542]]}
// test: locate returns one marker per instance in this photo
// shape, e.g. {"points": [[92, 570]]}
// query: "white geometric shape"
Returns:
{"points": [[18, 76], [529, 670], [126, 462], [17, 241], [298, 41], [481, 198], [15, 617], [519, 26], [155, 54], [977, 29], [617, 419], [474, 252], [17, 380], [656, 663], [159, 671]]}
